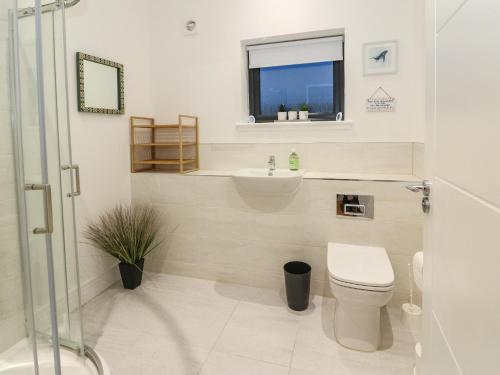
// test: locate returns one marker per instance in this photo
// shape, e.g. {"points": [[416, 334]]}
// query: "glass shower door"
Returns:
{"points": [[48, 182], [64, 177], [15, 345]]}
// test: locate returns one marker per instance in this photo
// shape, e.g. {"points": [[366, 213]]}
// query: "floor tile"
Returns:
{"points": [[158, 355], [316, 351], [294, 371], [190, 319], [227, 364], [183, 326], [261, 332]]}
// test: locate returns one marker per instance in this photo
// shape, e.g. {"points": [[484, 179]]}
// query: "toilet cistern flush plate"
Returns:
{"points": [[258, 181], [356, 206]]}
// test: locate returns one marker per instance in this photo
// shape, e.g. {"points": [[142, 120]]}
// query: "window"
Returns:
{"points": [[293, 73]]}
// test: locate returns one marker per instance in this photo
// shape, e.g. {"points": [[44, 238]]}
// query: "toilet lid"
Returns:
{"points": [[360, 265]]}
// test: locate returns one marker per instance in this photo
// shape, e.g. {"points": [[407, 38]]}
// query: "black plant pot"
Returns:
{"points": [[131, 274]]}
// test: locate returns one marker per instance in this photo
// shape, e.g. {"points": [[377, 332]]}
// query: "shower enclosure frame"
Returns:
{"points": [[22, 187]]}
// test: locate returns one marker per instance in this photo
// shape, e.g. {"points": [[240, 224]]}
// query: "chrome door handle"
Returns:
{"points": [[49, 221], [76, 167], [425, 188]]}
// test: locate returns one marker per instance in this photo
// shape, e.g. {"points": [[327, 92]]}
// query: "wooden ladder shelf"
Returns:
{"points": [[164, 148]]}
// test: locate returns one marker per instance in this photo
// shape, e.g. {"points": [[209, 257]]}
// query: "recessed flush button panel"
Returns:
{"points": [[355, 206]]}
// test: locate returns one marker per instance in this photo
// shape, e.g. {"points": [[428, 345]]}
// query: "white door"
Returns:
{"points": [[462, 255]]}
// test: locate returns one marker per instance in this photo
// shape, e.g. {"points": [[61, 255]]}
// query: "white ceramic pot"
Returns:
{"points": [[292, 115], [281, 116], [303, 115]]}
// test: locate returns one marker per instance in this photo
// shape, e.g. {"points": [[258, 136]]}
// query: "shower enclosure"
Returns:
{"points": [[40, 322]]}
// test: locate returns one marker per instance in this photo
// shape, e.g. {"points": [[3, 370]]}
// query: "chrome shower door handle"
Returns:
{"points": [[76, 167], [49, 220], [78, 191]]}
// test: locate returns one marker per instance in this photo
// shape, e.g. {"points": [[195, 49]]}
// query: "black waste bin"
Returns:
{"points": [[297, 282]]}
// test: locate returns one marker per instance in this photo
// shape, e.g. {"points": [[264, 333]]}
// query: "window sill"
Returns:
{"points": [[295, 125]]}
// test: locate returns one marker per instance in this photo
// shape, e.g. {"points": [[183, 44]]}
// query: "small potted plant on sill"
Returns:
{"points": [[292, 114], [128, 233], [304, 112], [282, 113]]}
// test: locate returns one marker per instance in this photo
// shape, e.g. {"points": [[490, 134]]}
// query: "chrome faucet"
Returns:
{"points": [[272, 165]]}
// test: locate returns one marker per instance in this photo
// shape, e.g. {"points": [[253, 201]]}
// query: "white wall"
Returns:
{"points": [[167, 73], [204, 75], [117, 30]]}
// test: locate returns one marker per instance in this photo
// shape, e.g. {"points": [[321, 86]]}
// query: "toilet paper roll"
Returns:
{"points": [[418, 269], [411, 316]]}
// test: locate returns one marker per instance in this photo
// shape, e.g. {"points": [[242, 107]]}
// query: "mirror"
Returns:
{"points": [[100, 85]]}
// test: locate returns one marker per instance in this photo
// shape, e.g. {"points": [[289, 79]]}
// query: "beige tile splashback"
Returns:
{"points": [[214, 232], [389, 158], [418, 160]]}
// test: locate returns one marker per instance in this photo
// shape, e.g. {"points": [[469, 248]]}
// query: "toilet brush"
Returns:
{"points": [[411, 314]]}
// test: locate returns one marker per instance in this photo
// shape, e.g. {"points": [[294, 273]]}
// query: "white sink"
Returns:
{"points": [[258, 181]]}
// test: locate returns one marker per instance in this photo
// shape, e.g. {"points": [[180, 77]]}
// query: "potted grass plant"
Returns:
{"points": [[292, 114], [128, 233], [282, 113], [304, 112]]}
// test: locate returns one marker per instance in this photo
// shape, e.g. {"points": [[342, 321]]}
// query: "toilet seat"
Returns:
{"points": [[362, 287], [360, 267]]}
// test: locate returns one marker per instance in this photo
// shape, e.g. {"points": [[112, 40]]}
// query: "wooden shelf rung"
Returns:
{"points": [[165, 144], [165, 161], [163, 126], [142, 118], [167, 126], [176, 126]]}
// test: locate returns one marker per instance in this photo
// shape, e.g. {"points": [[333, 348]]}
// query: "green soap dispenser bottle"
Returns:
{"points": [[293, 161]]}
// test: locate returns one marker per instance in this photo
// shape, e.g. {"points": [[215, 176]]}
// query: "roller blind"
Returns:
{"points": [[296, 52]]}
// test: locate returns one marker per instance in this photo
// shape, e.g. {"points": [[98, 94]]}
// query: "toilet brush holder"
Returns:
{"points": [[417, 370], [411, 316]]}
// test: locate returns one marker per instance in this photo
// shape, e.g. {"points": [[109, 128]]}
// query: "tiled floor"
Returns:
{"points": [[177, 325]]}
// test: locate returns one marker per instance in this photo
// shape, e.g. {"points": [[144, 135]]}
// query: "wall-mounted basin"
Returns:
{"points": [[258, 181]]}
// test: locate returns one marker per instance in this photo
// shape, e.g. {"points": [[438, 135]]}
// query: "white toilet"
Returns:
{"points": [[362, 281]]}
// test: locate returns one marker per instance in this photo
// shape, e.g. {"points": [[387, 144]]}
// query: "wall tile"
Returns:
{"points": [[246, 239], [354, 157], [5, 133], [277, 228], [12, 329], [418, 160], [11, 286]]}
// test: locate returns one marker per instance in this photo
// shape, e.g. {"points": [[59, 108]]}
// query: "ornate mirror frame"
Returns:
{"points": [[80, 58]]}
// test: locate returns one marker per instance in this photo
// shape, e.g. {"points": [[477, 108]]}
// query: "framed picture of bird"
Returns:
{"points": [[380, 58]]}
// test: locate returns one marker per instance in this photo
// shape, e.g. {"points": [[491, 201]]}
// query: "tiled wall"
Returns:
{"points": [[418, 160], [340, 157], [214, 232], [11, 292]]}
